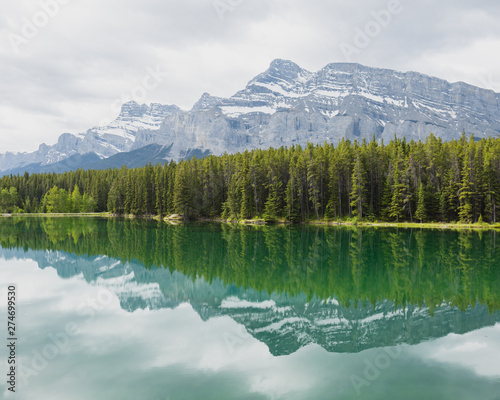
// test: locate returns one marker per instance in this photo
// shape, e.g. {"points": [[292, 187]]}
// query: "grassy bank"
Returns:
{"points": [[426, 225], [259, 221], [103, 214]]}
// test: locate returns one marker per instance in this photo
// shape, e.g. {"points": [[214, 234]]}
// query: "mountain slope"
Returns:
{"points": [[287, 105], [152, 153], [71, 163]]}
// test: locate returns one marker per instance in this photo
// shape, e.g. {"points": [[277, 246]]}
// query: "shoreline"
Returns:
{"points": [[176, 219], [406, 225], [9, 215]]}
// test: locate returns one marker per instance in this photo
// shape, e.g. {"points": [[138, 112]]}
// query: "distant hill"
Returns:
{"points": [[153, 153]]}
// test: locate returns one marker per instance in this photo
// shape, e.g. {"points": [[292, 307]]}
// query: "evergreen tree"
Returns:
{"points": [[421, 212], [398, 187], [272, 205], [466, 193], [358, 183]]}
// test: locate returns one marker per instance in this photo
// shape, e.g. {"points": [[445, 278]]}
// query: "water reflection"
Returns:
{"points": [[343, 289], [223, 312]]}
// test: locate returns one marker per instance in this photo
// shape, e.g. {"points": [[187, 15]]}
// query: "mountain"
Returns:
{"points": [[71, 163], [287, 105], [153, 153], [103, 141]]}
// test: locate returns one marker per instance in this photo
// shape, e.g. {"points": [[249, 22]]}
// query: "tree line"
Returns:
{"points": [[434, 180]]}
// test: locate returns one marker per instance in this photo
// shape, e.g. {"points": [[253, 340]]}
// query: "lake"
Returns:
{"points": [[136, 309]]}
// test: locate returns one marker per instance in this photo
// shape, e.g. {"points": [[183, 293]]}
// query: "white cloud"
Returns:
{"points": [[90, 53], [478, 350]]}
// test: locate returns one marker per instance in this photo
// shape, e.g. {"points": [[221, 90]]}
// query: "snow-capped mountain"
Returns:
{"points": [[104, 141], [288, 105], [120, 135]]}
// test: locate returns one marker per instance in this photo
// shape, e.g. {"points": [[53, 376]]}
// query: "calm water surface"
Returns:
{"points": [[125, 309]]}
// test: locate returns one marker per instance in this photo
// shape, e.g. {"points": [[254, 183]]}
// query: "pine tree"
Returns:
{"points": [[182, 199], [114, 200], [292, 198], [466, 193], [272, 206], [358, 183], [232, 205], [421, 212], [398, 187]]}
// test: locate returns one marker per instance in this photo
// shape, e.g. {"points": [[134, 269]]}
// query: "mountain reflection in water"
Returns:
{"points": [[345, 289]]}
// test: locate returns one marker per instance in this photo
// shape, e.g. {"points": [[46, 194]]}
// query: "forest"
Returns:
{"points": [[424, 181]]}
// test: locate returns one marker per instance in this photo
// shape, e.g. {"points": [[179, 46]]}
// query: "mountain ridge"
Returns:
{"points": [[137, 158], [287, 105]]}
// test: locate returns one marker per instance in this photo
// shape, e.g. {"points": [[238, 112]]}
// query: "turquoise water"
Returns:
{"points": [[126, 309]]}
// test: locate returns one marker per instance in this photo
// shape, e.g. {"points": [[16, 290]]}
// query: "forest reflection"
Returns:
{"points": [[368, 265]]}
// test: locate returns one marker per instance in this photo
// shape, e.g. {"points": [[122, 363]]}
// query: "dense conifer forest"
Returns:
{"points": [[400, 181]]}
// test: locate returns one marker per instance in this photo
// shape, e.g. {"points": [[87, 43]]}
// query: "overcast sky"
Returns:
{"points": [[67, 65]]}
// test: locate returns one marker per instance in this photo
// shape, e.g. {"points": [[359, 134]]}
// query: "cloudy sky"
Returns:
{"points": [[67, 65]]}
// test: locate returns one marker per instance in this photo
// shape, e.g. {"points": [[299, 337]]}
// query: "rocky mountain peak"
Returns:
{"points": [[284, 68], [206, 101], [161, 111], [281, 72], [132, 109]]}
